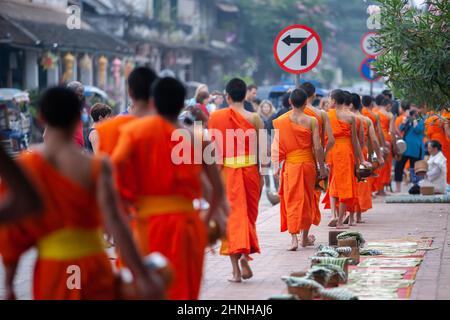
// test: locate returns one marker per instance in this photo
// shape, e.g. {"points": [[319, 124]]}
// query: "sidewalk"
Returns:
{"points": [[385, 221]]}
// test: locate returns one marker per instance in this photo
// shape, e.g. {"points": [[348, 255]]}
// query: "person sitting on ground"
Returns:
{"points": [[437, 168], [99, 113]]}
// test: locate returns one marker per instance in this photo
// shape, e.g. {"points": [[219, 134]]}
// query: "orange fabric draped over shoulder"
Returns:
{"points": [[320, 123], [298, 206], [342, 179], [243, 185], [434, 130], [68, 232], [109, 133], [164, 189], [364, 188]]}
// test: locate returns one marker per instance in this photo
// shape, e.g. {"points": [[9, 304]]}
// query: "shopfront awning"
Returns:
{"points": [[25, 25]]}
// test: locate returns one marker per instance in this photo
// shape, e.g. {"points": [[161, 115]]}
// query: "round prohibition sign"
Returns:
{"points": [[297, 49], [367, 45]]}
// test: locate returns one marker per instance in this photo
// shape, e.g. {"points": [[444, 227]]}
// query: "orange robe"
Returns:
{"points": [[163, 192], [386, 171], [435, 131], [398, 123], [342, 178], [108, 134], [298, 206], [364, 189], [317, 192], [67, 233], [242, 181]]}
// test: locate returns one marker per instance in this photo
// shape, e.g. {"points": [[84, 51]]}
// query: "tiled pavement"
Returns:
{"points": [[385, 221]]}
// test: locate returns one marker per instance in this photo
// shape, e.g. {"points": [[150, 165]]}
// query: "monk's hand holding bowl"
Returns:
{"points": [[366, 164]]}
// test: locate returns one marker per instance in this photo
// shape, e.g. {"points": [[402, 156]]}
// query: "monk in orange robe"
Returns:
{"points": [[435, 130], [67, 232], [364, 189], [235, 133], [296, 144], [387, 125], [326, 134], [377, 137], [165, 182], [345, 155], [140, 81]]}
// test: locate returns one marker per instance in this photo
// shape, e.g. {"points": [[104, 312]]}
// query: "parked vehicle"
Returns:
{"points": [[275, 93], [15, 120]]}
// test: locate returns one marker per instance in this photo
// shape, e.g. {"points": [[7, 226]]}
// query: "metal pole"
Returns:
{"points": [[297, 80], [371, 88]]}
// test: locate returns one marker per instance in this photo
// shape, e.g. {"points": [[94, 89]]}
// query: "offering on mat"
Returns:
{"points": [[352, 234], [391, 262]]}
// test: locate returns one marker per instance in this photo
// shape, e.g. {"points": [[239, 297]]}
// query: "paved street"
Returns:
{"points": [[385, 221]]}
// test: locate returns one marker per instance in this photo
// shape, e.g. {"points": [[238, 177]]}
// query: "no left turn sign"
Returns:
{"points": [[297, 49]]}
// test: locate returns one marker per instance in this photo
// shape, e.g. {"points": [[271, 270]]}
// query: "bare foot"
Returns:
{"points": [[294, 243], [360, 221], [347, 218], [235, 280], [333, 222], [247, 272], [310, 242]]}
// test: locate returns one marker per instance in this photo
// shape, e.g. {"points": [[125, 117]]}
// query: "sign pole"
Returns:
{"points": [[371, 88], [297, 81]]}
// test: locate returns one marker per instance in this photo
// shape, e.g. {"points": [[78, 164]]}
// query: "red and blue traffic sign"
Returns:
{"points": [[366, 70], [297, 49]]}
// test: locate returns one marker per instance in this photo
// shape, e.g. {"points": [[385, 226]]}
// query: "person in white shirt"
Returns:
{"points": [[437, 168]]}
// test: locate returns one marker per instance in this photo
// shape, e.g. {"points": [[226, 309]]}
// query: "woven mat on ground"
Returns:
{"points": [[401, 247], [388, 277], [418, 199]]}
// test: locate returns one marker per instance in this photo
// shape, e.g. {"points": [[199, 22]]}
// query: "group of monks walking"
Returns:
{"points": [[136, 192]]}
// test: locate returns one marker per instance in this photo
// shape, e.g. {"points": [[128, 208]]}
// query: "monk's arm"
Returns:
{"points": [[277, 153], [355, 141], [318, 150], [361, 133], [330, 136], [446, 122], [380, 132], [393, 134], [149, 285], [375, 144], [22, 198]]}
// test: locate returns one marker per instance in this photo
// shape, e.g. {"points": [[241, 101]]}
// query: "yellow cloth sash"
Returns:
{"points": [[343, 139], [159, 205], [240, 162], [300, 156], [69, 244]]}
